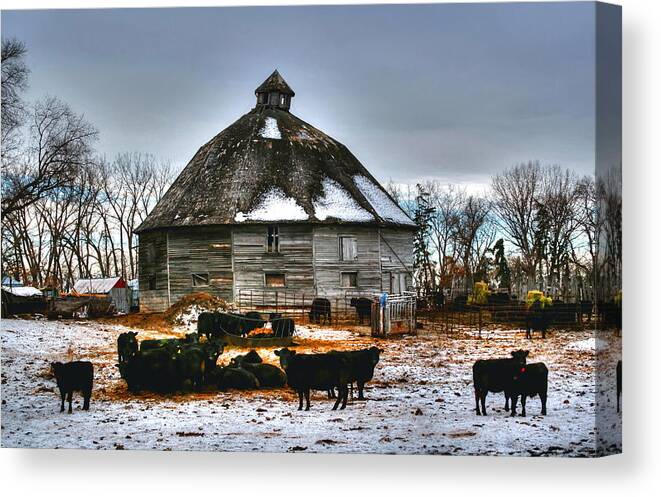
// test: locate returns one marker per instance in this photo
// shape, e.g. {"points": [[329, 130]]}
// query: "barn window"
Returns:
{"points": [[274, 280], [273, 240], [348, 248], [349, 280], [151, 282], [200, 279]]}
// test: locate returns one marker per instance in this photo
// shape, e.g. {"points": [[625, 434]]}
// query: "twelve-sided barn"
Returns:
{"points": [[272, 203]]}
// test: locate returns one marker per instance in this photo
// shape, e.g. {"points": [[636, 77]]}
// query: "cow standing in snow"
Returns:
{"points": [[528, 381], [74, 376], [127, 345], [496, 375]]}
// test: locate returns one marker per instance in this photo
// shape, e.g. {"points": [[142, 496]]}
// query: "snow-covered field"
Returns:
{"points": [[420, 402]]}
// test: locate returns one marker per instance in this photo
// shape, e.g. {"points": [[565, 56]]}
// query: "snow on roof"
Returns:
{"points": [[274, 206], [380, 201], [95, 285], [339, 204], [23, 291], [270, 129]]}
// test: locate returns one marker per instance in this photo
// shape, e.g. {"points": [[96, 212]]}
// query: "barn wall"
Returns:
{"points": [[252, 262], [396, 255], [328, 265], [153, 300], [202, 250], [236, 260]]}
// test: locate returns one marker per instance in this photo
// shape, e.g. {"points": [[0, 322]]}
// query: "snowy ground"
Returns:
{"points": [[420, 402]]}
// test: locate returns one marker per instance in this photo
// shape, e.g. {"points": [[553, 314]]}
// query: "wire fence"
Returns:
{"points": [[408, 314], [298, 305], [454, 317]]}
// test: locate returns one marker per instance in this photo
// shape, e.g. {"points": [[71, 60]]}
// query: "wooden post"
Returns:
{"points": [[479, 317]]}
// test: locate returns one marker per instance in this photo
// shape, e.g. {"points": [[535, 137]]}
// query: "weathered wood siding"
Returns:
{"points": [[205, 251], [252, 262], [153, 265], [328, 266], [396, 255], [235, 259]]}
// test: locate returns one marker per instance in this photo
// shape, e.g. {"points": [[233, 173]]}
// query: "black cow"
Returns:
{"points": [[538, 318], [212, 350], [269, 376], [189, 366], [283, 327], [307, 372], [320, 311], [175, 343], [361, 365], [251, 357], [253, 321], [585, 310], [237, 324], [528, 381], [363, 308], [207, 325], [74, 376], [496, 375], [618, 374], [151, 370], [274, 315], [127, 345], [237, 378]]}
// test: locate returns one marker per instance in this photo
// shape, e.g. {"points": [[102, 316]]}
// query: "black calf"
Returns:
{"points": [[530, 380], [320, 311], [74, 376]]}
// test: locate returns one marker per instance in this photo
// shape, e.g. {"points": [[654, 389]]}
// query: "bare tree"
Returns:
{"points": [[14, 82], [59, 143], [516, 194]]}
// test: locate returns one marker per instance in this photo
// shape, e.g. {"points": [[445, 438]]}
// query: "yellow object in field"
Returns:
{"points": [[618, 298], [534, 295], [480, 293]]}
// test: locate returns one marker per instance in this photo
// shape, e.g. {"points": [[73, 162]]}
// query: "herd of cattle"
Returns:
{"points": [[190, 363], [177, 364]]}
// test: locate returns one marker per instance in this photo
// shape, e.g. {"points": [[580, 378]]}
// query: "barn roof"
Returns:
{"points": [[96, 285], [271, 166]]}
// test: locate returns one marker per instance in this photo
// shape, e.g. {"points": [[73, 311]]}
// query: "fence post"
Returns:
{"points": [[479, 318]]}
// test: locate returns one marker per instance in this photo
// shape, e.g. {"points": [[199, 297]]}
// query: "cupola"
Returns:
{"points": [[274, 92]]}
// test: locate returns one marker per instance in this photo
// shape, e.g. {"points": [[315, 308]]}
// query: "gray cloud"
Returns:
{"points": [[448, 91]]}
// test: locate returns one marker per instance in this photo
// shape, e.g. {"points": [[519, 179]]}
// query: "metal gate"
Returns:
{"points": [[394, 313]]}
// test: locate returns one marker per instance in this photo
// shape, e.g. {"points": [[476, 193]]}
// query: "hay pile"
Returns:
{"points": [[186, 310]]}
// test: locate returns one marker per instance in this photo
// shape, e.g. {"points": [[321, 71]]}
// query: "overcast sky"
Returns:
{"points": [[453, 92]]}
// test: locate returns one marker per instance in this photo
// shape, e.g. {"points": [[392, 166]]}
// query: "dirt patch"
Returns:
{"points": [[142, 321]]}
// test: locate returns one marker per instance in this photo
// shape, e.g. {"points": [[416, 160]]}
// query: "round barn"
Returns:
{"points": [[273, 203]]}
